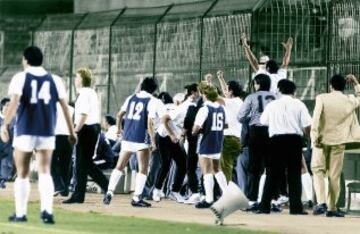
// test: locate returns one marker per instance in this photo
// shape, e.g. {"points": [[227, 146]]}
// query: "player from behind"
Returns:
{"points": [[137, 114], [210, 123], [34, 94]]}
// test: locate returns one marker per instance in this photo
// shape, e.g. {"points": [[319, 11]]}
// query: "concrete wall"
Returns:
{"points": [[81, 6]]}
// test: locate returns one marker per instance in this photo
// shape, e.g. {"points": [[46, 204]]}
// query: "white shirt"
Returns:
{"points": [[61, 126], [286, 115], [17, 82], [87, 103], [177, 115], [232, 110], [111, 133], [275, 77], [203, 112]]}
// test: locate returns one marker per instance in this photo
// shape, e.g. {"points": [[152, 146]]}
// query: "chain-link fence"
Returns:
{"points": [[180, 43]]}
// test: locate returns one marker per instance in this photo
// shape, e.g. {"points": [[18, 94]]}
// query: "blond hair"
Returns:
{"points": [[209, 91], [86, 76]]}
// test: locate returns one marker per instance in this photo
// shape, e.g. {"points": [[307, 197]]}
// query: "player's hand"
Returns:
{"points": [[244, 40], [352, 79], [72, 139], [289, 43], [208, 78], [153, 145], [174, 139], [5, 137], [119, 132], [318, 142], [220, 74]]}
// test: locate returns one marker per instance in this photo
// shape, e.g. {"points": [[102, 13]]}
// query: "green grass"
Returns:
{"points": [[90, 223]]}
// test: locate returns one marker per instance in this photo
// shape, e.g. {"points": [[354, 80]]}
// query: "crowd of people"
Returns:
{"points": [[256, 140]]}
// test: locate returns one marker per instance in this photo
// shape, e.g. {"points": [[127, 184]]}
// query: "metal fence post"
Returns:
{"points": [[110, 54], [329, 40], [72, 53], [202, 34], [155, 35]]}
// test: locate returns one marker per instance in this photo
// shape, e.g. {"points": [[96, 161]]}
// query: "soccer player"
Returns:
{"points": [[210, 122], [34, 94], [137, 113]]}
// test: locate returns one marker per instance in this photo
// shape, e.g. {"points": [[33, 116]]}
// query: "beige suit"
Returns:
{"points": [[334, 126]]}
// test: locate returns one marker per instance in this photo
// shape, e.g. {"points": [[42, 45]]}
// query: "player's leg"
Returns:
{"points": [[219, 175], [207, 171], [46, 185], [143, 159], [116, 174], [21, 185]]}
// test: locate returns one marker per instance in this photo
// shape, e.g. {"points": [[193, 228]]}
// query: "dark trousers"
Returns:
{"points": [[169, 150], [85, 150], [60, 163], [258, 151], [192, 164], [285, 155]]}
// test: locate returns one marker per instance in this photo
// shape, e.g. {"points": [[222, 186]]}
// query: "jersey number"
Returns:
{"points": [[44, 92], [267, 99], [135, 110], [217, 122]]}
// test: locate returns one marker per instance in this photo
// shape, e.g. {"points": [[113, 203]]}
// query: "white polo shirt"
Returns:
{"points": [[61, 126], [275, 77], [286, 115], [232, 110], [177, 116], [87, 103]]}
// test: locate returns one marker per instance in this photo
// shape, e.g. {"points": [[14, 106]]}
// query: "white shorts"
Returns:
{"points": [[133, 146], [211, 156], [28, 143]]}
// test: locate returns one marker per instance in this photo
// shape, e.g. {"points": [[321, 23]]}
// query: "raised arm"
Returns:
{"points": [[288, 48], [249, 54], [223, 85]]}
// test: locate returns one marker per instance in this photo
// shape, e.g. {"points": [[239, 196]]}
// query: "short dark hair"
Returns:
{"points": [[272, 66], [110, 120], [165, 97], [3, 102], [338, 82], [191, 88], [286, 86], [235, 87], [263, 81], [149, 85], [33, 56]]}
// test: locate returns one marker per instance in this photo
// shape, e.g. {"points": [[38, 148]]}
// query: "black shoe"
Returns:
{"points": [[72, 200], [275, 208], [107, 199], [299, 213], [309, 204], [320, 209], [64, 193], [140, 203], [14, 219], [2, 183], [203, 205], [335, 214], [262, 212], [253, 208], [47, 218]]}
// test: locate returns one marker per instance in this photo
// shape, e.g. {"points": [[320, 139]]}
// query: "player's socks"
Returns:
{"points": [[221, 179], [21, 191], [140, 181], [114, 179], [209, 188], [46, 189]]}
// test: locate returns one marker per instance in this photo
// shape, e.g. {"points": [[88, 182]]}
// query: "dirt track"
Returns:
{"points": [[171, 211]]}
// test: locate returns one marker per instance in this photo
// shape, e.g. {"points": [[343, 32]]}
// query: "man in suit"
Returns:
{"points": [[333, 119]]}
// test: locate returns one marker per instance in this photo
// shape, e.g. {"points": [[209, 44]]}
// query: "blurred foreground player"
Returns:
{"points": [[34, 94]]}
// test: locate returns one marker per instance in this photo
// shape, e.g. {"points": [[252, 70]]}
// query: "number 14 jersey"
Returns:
{"points": [[39, 92]]}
